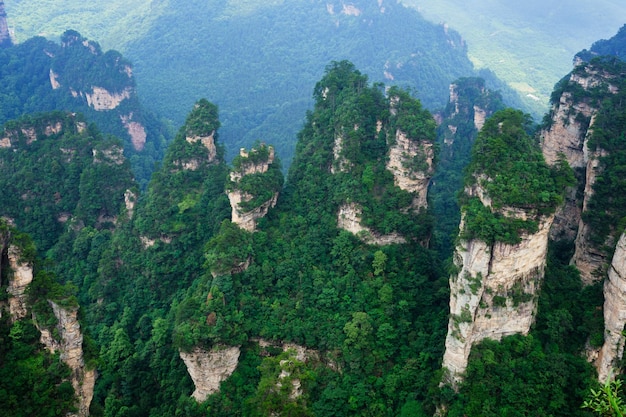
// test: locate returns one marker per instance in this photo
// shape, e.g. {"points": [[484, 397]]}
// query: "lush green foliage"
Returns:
{"points": [[507, 163], [65, 171], [511, 162], [171, 275]]}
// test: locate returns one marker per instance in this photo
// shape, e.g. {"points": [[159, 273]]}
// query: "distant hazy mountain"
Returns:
{"points": [[528, 44]]}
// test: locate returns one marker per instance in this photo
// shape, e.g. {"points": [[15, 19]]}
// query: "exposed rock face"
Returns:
{"points": [[340, 163], [349, 219], [480, 115], [588, 258], [614, 314], [247, 218], [209, 368], [208, 142], [193, 163], [71, 348], [572, 126], [5, 36], [130, 199], [136, 131], [409, 175], [101, 99], [494, 292], [22, 276], [11, 138], [54, 80]]}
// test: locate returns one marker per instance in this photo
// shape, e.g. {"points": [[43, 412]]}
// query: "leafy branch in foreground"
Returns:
{"points": [[606, 401]]}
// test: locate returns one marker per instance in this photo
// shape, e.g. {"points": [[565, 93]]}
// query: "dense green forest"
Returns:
{"points": [[162, 278], [326, 320]]}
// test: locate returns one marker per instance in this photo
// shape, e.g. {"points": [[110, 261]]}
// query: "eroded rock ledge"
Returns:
{"points": [[349, 219]]}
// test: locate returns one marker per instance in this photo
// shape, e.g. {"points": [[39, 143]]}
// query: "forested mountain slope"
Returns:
{"points": [[226, 290], [40, 75], [255, 59]]}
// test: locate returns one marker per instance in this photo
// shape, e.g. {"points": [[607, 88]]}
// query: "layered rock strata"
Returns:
{"points": [[572, 121], [493, 294], [22, 277]]}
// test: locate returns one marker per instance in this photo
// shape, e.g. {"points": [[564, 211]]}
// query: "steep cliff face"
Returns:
{"points": [[22, 277], [494, 292], [70, 347], [614, 314], [253, 187], [501, 254], [70, 341], [208, 368], [576, 102], [411, 163]]}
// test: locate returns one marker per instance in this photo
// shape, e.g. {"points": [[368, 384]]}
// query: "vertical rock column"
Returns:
{"points": [[614, 313], [71, 351], [494, 293]]}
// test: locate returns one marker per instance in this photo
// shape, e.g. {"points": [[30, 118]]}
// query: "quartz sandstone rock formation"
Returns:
{"points": [[493, 294], [101, 99], [349, 219], [402, 155], [614, 313], [70, 347], [247, 219], [22, 276], [208, 368], [71, 338], [571, 127], [194, 163]]}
